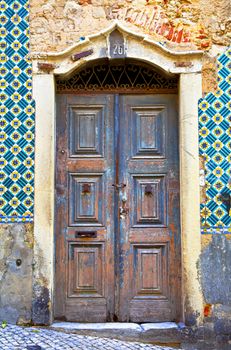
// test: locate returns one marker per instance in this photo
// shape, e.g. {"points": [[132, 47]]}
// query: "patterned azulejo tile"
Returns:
{"points": [[16, 114], [215, 147]]}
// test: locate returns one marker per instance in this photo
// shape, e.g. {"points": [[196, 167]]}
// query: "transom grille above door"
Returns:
{"points": [[113, 76]]}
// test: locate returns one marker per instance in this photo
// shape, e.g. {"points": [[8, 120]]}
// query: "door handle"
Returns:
{"points": [[124, 210]]}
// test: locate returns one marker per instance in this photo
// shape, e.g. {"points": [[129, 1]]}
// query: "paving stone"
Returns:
{"points": [[21, 338], [98, 326], [163, 325]]}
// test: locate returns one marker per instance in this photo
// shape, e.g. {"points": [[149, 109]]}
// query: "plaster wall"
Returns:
{"points": [[16, 257]]}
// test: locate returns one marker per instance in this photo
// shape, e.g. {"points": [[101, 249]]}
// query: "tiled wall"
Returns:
{"points": [[17, 128], [16, 114], [215, 148]]}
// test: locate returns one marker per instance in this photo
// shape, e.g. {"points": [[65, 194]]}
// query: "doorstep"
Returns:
{"points": [[154, 333]]}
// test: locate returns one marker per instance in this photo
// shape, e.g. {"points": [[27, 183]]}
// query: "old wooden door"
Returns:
{"points": [[117, 208]]}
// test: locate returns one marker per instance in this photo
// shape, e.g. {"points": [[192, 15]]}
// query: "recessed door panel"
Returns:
{"points": [[85, 268], [150, 271], [86, 131], [148, 131], [149, 200], [86, 197]]}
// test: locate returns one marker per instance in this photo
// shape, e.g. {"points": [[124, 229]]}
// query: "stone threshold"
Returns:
{"points": [[168, 333]]}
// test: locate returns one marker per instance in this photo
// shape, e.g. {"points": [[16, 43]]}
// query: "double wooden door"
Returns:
{"points": [[118, 247]]}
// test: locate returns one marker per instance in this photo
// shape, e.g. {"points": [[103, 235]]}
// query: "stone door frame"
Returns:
{"points": [[46, 66]]}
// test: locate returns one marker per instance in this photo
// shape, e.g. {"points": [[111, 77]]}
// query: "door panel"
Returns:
{"points": [[117, 188], [149, 204], [86, 131], [148, 131], [149, 267], [84, 229], [85, 270], [149, 227], [86, 198]]}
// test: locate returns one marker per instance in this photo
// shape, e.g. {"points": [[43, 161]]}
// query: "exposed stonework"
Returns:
{"points": [[16, 255], [209, 74], [177, 24], [55, 25], [216, 16]]}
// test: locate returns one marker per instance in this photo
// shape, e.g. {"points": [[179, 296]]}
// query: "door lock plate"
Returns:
{"points": [[86, 234]]}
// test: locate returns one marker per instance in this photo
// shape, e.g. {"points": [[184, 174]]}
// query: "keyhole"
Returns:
{"points": [[18, 262]]}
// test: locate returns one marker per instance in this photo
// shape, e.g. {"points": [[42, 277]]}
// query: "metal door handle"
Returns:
{"points": [[124, 210]]}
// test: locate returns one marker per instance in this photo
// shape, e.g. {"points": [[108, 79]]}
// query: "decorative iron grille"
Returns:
{"points": [[117, 77]]}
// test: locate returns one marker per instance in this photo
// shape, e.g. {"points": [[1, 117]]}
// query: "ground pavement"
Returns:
{"points": [[33, 338]]}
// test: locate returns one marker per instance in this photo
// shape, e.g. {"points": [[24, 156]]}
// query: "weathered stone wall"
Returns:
{"points": [[214, 271], [215, 15], [16, 256], [195, 24], [21, 301]]}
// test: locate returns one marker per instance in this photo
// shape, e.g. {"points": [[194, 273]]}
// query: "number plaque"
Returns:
{"points": [[117, 45]]}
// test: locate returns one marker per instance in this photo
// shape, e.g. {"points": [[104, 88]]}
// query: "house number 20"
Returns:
{"points": [[118, 49]]}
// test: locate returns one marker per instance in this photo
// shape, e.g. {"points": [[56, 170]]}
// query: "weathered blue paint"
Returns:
{"points": [[123, 191]]}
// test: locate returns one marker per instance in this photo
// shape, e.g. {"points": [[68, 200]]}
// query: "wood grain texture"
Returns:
{"points": [[149, 259], [128, 267], [84, 203]]}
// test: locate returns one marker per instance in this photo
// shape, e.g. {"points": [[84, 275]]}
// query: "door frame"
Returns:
{"points": [[46, 67]]}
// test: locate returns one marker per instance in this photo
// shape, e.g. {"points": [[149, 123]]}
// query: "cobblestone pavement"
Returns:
{"points": [[31, 338]]}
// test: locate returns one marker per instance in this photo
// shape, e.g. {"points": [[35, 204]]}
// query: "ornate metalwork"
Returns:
{"points": [[117, 77]]}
